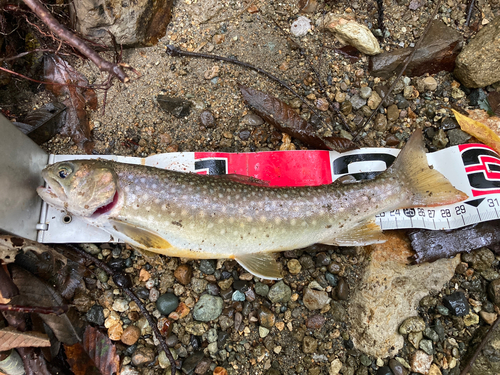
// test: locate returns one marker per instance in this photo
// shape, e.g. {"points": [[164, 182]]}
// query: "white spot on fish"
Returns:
{"points": [[137, 188], [223, 231], [154, 186], [220, 221], [304, 223], [163, 207], [235, 232], [231, 220], [143, 180], [184, 212], [210, 225], [277, 220], [293, 222], [127, 188], [263, 219], [191, 226], [314, 222], [157, 201], [201, 214], [150, 217], [249, 219], [148, 208]]}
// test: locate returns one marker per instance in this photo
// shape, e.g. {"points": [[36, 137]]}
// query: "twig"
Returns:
{"points": [[470, 10], [58, 310], [124, 282], [39, 9], [172, 51], [480, 347], [409, 58], [22, 54]]}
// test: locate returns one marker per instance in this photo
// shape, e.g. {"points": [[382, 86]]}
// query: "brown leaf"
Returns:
{"points": [[11, 246], [34, 292], [100, 351], [11, 338], [285, 119], [494, 101], [7, 287], [71, 83], [34, 362], [481, 126]]}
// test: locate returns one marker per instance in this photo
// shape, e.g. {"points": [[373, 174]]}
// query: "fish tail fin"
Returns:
{"points": [[426, 186]]}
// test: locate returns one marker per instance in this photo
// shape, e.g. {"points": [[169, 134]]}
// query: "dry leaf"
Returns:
{"points": [[481, 126], [97, 350], [11, 338], [10, 246]]}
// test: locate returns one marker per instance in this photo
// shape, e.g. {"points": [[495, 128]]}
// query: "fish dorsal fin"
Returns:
{"points": [[143, 238], [261, 265], [366, 233]]}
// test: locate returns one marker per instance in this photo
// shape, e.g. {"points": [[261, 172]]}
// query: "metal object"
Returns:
{"points": [[21, 162]]}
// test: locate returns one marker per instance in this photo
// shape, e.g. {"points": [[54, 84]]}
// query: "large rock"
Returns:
{"points": [[488, 361], [390, 292], [437, 52], [140, 22], [478, 65]]}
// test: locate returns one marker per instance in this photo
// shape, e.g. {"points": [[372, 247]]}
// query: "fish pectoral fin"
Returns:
{"points": [[143, 238], [262, 265], [366, 233]]}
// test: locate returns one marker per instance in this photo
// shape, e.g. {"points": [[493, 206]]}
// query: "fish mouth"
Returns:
{"points": [[53, 192]]}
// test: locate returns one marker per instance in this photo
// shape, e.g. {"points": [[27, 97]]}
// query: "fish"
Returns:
{"points": [[207, 217]]}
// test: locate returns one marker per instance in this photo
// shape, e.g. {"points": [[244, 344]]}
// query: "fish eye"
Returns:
{"points": [[64, 171]]}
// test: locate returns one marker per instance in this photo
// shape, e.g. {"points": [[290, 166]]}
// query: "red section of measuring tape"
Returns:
{"points": [[482, 166], [278, 168]]}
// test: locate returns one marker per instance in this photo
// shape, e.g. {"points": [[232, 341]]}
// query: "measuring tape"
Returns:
{"points": [[471, 168]]}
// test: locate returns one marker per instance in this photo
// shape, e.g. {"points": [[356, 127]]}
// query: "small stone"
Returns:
{"points": [[421, 362], [322, 104], [365, 92], [340, 96], [494, 291], [130, 335], [96, 315], [471, 319], [426, 346], [342, 290], [284, 66], [183, 274], [218, 38], [384, 370], [207, 266], [456, 93], [480, 259], [457, 137], [410, 93], [167, 303], [120, 305], [226, 284], [115, 332], [392, 112], [220, 371], [208, 308], [294, 266], [176, 106], [457, 304], [374, 100], [442, 310], [346, 107], [263, 332], [332, 279], [431, 334], [430, 84], [396, 367], [192, 361], [315, 299], [238, 296], [334, 268], [315, 322], [266, 317], [207, 119], [440, 140], [309, 345], [301, 26], [380, 122], [335, 367], [412, 324], [196, 328], [434, 370], [203, 366], [143, 356], [489, 318], [261, 289], [279, 292], [414, 338], [357, 102]]}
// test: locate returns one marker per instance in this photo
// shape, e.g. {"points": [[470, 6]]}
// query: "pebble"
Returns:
{"points": [[300, 26], [430, 84], [115, 331], [471, 319], [457, 137], [238, 296], [346, 107], [167, 303], [331, 279], [457, 304], [456, 93], [431, 334], [489, 318], [208, 308], [95, 315], [342, 290], [392, 112], [91, 248], [334, 268], [208, 266], [101, 275], [412, 324], [143, 356], [309, 345], [279, 292], [380, 122], [130, 335], [340, 97], [335, 367], [384, 370], [322, 104], [266, 317], [494, 291], [196, 328], [263, 331], [191, 362], [440, 140], [426, 346], [120, 305], [421, 362], [294, 266], [414, 338], [480, 259], [198, 285], [374, 100], [434, 370], [365, 92], [396, 367], [183, 274], [315, 299], [207, 119], [315, 321], [261, 289], [442, 310], [357, 102]]}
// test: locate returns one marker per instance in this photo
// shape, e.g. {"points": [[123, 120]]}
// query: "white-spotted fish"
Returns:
{"points": [[199, 216]]}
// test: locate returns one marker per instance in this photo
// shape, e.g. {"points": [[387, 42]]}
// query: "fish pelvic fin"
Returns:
{"points": [[262, 265], [427, 187], [365, 233], [140, 237]]}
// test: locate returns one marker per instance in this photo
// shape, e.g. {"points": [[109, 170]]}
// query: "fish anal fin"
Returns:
{"points": [[143, 238], [366, 233], [262, 265]]}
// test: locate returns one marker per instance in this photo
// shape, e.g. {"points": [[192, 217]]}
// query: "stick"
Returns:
{"points": [[58, 310], [39, 9]]}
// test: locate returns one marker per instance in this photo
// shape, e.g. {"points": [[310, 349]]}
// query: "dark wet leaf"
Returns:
{"points": [[7, 288], [35, 292], [494, 101], [96, 355], [34, 362], [69, 82], [43, 123], [433, 245], [11, 338], [11, 246], [286, 120]]}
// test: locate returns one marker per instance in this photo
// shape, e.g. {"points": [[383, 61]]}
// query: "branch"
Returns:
{"points": [[58, 310], [39, 9]]}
